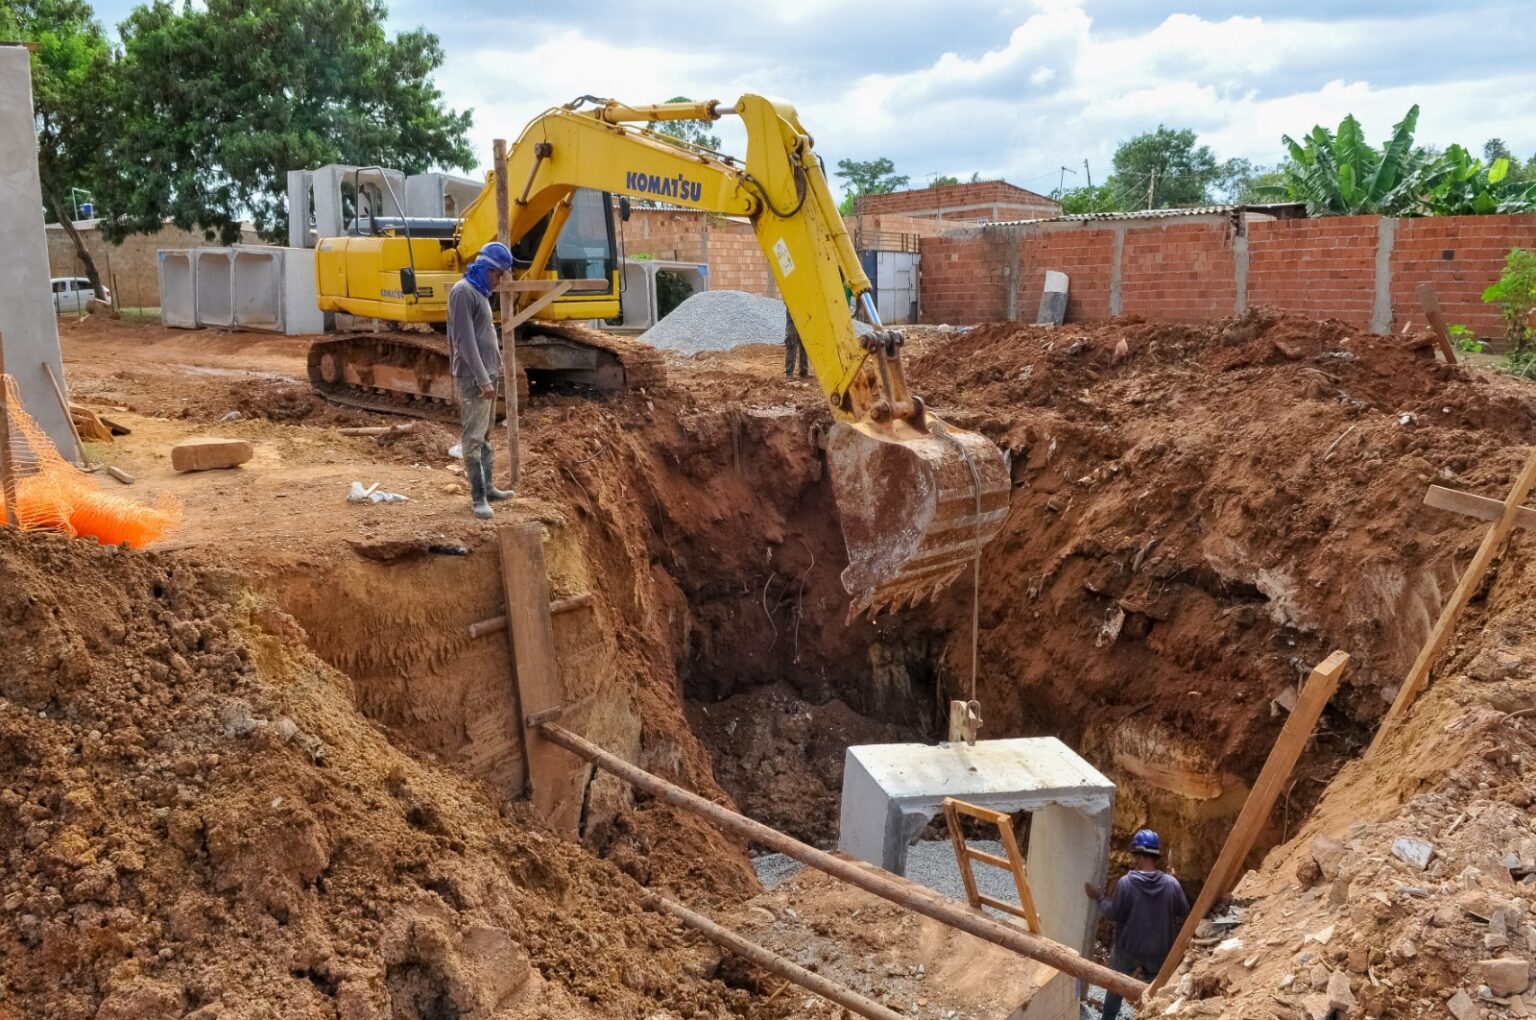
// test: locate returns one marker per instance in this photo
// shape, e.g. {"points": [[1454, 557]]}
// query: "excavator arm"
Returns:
{"points": [[918, 498]]}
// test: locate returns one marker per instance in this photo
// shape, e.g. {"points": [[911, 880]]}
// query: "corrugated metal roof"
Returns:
{"points": [[1151, 214]]}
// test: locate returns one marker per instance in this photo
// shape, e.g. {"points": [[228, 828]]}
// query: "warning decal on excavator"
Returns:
{"points": [[781, 252]]}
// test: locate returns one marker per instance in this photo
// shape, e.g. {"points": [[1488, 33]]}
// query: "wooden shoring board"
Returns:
{"points": [[555, 776], [1261, 801], [1014, 864], [1450, 616], [1431, 303], [508, 328], [1484, 508]]}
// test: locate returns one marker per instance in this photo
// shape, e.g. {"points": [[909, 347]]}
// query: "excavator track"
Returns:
{"points": [[407, 373]]}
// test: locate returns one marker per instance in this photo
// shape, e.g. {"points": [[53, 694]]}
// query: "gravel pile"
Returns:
{"points": [[930, 863], [719, 320]]}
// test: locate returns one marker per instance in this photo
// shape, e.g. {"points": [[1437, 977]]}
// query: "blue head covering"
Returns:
{"points": [[493, 256]]}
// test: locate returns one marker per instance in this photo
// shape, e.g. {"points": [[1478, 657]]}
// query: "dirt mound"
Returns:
{"points": [[1200, 514], [1417, 865], [195, 821]]}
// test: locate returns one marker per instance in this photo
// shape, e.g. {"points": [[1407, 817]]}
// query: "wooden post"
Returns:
{"points": [[508, 308], [1440, 634], [1431, 302], [1261, 801], [555, 777], [7, 461]]}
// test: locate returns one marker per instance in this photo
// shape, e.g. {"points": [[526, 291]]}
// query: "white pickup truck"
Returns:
{"points": [[73, 293]]}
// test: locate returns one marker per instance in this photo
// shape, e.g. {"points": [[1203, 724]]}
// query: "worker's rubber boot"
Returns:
{"points": [[477, 487], [495, 495]]}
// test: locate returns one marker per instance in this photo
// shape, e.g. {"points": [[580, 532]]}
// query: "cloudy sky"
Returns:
{"points": [[1013, 90]]}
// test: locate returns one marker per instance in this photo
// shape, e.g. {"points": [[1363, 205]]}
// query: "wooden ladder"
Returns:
{"points": [[1014, 863]]}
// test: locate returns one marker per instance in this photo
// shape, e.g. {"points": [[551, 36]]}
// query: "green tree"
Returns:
{"points": [[1163, 169], [695, 132], [1099, 198], [944, 181], [868, 177], [1339, 172], [71, 74], [216, 103]]}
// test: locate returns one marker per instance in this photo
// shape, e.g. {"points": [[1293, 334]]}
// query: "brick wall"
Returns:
{"points": [[132, 263], [984, 201], [1324, 267], [1178, 271], [727, 245], [1191, 268]]}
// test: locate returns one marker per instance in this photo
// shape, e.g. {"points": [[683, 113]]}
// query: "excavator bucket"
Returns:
{"points": [[917, 507]]}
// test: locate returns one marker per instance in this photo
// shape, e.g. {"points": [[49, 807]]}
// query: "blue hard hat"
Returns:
{"points": [[1146, 842], [496, 255]]}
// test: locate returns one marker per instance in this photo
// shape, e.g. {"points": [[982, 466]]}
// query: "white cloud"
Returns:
{"points": [[939, 91]]}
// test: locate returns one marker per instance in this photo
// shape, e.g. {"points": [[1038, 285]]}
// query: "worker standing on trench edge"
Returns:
{"points": [[1147, 909], [794, 348], [474, 359]]}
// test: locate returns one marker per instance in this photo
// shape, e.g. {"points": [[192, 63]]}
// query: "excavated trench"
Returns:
{"points": [[716, 650]]}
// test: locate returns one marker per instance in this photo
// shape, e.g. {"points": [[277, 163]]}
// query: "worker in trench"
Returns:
{"points": [[474, 359], [794, 348], [1147, 908]]}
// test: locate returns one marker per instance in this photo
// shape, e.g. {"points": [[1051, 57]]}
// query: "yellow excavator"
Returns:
{"points": [[918, 497]]}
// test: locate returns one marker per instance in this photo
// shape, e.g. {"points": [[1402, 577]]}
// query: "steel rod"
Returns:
{"points": [[770, 961], [898, 890]]}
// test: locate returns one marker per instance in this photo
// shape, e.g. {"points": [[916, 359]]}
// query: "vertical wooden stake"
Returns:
{"points": [[556, 778], [1418, 675], [1431, 303], [1261, 801], [7, 461], [508, 311]]}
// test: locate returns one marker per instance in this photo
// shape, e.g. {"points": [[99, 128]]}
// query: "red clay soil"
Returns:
{"points": [[195, 821], [1201, 513]]}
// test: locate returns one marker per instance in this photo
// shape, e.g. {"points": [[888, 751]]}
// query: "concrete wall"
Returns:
{"points": [[1362, 270], [27, 325], [132, 264]]}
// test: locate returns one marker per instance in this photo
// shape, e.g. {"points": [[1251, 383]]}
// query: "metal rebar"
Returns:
{"points": [[901, 891], [771, 961]]}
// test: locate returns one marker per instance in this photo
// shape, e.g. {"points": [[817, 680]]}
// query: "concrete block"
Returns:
{"points": [[177, 271], [213, 279], [27, 322], [892, 791], [207, 454], [1053, 300], [440, 194], [256, 287], [301, 201], [301, 312]]}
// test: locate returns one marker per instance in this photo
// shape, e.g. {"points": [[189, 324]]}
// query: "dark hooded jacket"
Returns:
{"points": [[1147, 909]]}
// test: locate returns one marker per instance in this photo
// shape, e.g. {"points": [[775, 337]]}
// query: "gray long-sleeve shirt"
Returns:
{"points": [[1147, 908], [473, 354]]}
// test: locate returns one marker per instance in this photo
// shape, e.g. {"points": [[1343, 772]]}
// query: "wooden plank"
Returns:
{"points": [[1431, 302], [495, 623], [1260, 802], [7, 461], [518, 286], [555, 777], [1484, 508], [986, 858], [508, 326], [1020, 878], [58, 391], [1471, 578]]}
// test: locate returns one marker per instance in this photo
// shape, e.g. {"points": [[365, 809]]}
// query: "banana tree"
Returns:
{"points": [[1340, 173], [1457, 184]]}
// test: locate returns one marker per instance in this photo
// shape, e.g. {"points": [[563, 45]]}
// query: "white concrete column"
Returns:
{"points": [[26, 299]]}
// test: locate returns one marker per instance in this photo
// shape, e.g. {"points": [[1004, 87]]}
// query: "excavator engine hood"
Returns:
{"points": [[916, 507]]}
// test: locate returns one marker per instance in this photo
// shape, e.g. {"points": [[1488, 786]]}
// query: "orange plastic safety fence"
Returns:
{"points": [[53, 495]]}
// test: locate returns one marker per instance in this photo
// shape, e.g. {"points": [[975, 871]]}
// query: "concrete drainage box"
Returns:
{"points": [[178, 288], [213, 280], [892, 791], [256, 292]]}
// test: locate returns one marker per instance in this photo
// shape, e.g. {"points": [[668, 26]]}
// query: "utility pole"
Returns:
{"points": [[1093, 204], [1061, 183], [1151, 187]]}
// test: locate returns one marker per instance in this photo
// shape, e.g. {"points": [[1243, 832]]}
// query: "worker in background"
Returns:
{"points": [[1147, 909], [794, 349], [474, 358]]}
